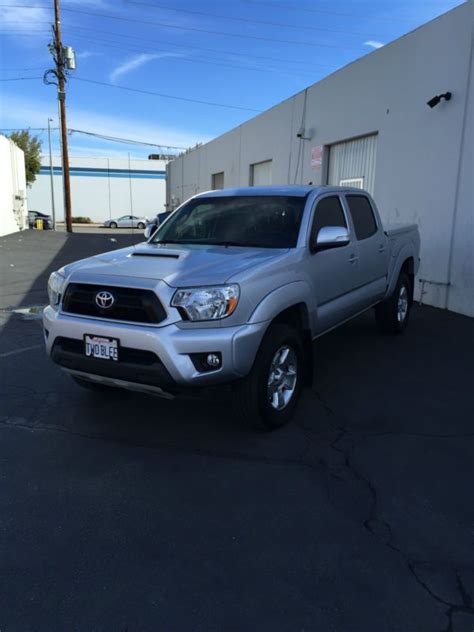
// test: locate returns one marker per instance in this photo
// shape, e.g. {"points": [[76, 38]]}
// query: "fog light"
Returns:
{"points": [[206, 361], [213, 360]]}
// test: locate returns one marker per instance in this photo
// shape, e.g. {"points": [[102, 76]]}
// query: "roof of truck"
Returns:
{"points": [[296, 190]]}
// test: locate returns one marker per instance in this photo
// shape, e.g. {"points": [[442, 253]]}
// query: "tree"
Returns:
{"points": [[31, 145]]}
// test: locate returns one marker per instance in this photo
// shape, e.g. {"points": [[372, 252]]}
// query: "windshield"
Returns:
{"points": [[249, 221]]}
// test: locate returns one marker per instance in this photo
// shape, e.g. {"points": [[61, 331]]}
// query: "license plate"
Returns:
{"points": [[101, 348]]}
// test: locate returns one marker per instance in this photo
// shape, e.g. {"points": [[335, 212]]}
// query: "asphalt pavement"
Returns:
{"points": [[130, 512]]}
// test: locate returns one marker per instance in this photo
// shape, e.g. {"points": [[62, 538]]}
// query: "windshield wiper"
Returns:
{"points": [[172, 241], [225, 243]]}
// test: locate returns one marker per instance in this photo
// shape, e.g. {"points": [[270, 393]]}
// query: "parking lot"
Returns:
{"points": [[131, 512]]}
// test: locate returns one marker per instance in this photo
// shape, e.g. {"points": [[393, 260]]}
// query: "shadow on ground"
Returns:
{"points": [[170, 515]]}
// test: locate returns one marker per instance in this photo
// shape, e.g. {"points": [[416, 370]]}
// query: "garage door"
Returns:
{"points": [[261, 173], [352, 163]]}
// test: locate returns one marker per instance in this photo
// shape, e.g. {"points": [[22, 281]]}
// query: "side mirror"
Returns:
{"points": [[331, 237], [150, 229]]}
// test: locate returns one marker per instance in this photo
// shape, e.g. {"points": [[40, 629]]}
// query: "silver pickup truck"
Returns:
{"points": [[232, 287]]}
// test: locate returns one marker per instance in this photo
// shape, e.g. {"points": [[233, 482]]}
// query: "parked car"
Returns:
{"points": [[232, 288], [126, 221], [34, 215]]}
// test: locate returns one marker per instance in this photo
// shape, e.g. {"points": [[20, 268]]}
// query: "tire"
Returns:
{"points": [[393, 314], [113, 225], [92, 386], [141, 226], [252, 398]]}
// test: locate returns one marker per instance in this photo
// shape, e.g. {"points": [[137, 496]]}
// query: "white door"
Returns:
{"points": [[261, 173], [352, 163], [218, 180]]}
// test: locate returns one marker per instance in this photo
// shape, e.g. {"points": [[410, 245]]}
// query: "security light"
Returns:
{"points": [[437, 99], [301, 134]]}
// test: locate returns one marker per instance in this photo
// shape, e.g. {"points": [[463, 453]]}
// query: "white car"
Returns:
{"points": [[127, 221]]}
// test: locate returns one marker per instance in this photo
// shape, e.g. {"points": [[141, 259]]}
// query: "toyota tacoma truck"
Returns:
{"points": [[232, 288]]}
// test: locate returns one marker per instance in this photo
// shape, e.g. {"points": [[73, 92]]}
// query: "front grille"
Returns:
{"points": [[131, 304]]}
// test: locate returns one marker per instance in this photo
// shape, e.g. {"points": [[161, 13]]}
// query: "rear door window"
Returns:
{"points": [[328, 213], [362, 216]]}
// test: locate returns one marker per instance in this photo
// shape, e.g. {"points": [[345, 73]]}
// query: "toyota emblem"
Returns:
{"points": [[104, 299]]}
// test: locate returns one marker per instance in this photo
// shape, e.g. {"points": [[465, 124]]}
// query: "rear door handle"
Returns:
{"points": [[353, 259], [381, 248]]}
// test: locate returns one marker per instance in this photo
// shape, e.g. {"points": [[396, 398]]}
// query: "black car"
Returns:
{"points": [[34, 215], [159, 218]]}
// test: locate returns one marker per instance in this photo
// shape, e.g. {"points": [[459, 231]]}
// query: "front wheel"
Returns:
{"points": [[113, 225], [268, 395], [392, 315]]}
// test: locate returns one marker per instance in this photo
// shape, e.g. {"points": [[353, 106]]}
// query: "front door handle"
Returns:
{"points": [[353, 259], [381, 248]]}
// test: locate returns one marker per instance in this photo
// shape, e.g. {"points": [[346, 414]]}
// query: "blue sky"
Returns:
{"points": [[243, 53]]}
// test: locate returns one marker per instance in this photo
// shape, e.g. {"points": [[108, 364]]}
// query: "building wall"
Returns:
{"points": [[13, 206], [423, 170], [102, 188]]}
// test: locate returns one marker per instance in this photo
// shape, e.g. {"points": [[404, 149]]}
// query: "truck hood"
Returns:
{"points": [[181, 266]]}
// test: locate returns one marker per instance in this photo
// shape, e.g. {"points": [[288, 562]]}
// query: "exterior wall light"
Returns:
{"points": [[437, 99]]}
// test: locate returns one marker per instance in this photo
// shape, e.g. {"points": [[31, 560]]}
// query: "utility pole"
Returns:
{"points": [[64, 60], [53, 209]]}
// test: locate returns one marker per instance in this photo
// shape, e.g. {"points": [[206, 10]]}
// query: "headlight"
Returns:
{"points": [[55, 288], [207, 303]]}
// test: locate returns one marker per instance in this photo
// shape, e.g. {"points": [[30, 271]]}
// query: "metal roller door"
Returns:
{"points": [[261, 173], [352, 163]]}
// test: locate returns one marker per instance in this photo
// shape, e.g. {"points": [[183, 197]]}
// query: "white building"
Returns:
{"points": [[102, 188], [369, 125], [13, 208]]}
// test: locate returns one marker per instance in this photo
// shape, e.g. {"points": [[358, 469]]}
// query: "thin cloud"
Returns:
{"points": [[21, 112], [136, 62], [24, 18], [373, 44], [85, 54]]}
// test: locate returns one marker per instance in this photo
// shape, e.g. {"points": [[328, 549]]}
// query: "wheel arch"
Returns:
{"points": [[288, 304], [405, 263]]}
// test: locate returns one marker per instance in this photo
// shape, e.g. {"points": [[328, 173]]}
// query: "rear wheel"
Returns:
{"points": [[393, 314], [141, 225], [268, 395]]}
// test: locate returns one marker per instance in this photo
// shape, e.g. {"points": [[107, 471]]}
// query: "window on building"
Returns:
{"points": [[218, 180], [328, 213], [362, 216], [261, 173], [356, 183]]}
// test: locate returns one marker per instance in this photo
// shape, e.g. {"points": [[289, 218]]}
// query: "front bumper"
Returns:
{"points": [[172, 346]]}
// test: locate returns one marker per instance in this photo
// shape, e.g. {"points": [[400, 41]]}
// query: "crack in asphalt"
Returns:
{"points": [[345, 443], [373, 522]]}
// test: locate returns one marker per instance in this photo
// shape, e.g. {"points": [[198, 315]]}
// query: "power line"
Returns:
{"points": [[21, 69], [115, 139], [324, 12], [165, 96], [298, 27], [149, 92], [189, 28], [211, 50], [127, 141], [20, 78], [182, 57]]}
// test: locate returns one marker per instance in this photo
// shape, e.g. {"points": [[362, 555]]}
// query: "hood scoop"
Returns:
{"points": [[162, 255]]}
